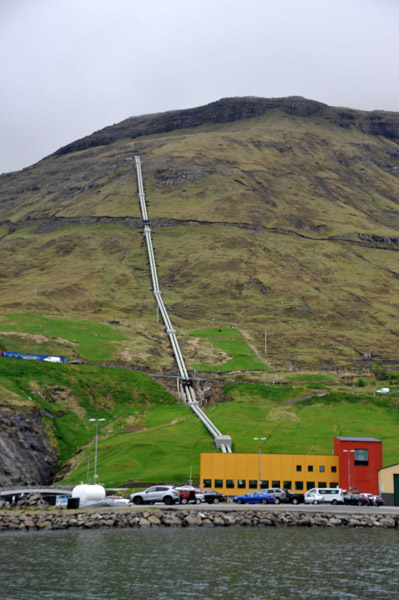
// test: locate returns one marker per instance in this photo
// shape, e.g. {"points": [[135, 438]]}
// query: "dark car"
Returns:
{"points": [[378, 501], [278, 493], [255, 498], [355, 499], [294, 498], [372, 499], [213, 497]]}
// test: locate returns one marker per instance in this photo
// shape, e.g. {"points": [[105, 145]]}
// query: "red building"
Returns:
{"points": [[359, 461]]}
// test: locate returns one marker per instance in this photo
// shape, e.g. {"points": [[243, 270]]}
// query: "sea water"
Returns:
{"points": [[201, 563]]}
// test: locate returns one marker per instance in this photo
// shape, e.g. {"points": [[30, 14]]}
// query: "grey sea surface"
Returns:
{"points": [[201, 563]]}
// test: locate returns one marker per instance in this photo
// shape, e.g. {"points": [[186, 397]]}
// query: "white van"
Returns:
{"points": [[332, 495]]}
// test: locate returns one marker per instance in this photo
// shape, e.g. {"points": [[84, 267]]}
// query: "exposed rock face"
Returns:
{"points": [[228, 110], [26, 455]]}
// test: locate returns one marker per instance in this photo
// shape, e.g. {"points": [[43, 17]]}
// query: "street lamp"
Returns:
{"points": [[95, 451], [349, 467], [260, 440]]}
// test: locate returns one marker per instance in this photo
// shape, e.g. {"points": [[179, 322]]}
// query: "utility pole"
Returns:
{"points": [[260, 440], [88, 468], [265, 342], [349, 467], [95, 451]]}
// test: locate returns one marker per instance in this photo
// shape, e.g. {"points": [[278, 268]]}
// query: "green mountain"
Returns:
{"points": [[268, 215], [274, 214]]}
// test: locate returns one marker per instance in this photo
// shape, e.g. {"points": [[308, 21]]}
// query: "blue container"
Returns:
{"points": [[11, 354]]}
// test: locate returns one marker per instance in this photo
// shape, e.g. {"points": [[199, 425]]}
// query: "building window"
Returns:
{"points": [[299, 467], [264, 484], [276, 483], [322, 483], [207, 483], [229, 483], [241, 484], [310, 468], [287, 485], [334, 484], [333, 469], [310, 485], [361, 457], [218, 483], [253, 484], [322, 469], [299, 485]]}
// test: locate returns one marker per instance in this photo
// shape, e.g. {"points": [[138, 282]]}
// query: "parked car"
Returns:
{"points": [[294, 498], [261, 497], [378, 501], [213, 497], [156, 493], [369, 497], [188, 493], [355, 499], [278, 493], [313, 498], [333, 495], [372, 499]]}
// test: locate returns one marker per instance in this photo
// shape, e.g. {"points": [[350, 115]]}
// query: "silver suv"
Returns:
{"points": [[156, 493], [278, 493]]}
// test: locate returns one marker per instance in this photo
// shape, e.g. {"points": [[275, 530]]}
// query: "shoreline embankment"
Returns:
{"points": [[127, 519]]}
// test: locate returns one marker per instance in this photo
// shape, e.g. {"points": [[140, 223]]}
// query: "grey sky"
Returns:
{"points": [[70, 67]]}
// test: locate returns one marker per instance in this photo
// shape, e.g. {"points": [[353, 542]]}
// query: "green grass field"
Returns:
{"points": [[307, 426], [91, 340], [232, 343], [148, 436]]}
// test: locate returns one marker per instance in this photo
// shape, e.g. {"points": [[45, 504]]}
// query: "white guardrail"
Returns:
{"points": [[222, 441]]}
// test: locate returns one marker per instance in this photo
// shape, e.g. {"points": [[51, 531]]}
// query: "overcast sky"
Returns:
{"points": [[71, 67]]}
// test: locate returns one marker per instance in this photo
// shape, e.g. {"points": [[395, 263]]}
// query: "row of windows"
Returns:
{"points": [[322, 468], [253, 484]]}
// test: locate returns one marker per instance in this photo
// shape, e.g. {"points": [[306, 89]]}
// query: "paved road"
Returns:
{"points": [[311, 508]]}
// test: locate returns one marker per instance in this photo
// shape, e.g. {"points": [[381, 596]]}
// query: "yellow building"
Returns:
{"points": [[388, 484], [238, 473]]}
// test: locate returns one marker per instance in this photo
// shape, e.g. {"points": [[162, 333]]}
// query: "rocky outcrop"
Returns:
{"points": [[34, 521], [227, 110], [368, 239], [31, 501], [26, 455]]}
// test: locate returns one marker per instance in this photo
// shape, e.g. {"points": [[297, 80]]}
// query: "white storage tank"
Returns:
{"points": [[88, 493]]}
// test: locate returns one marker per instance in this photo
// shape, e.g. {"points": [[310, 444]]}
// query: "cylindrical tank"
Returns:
{"points": [[88, 493]]}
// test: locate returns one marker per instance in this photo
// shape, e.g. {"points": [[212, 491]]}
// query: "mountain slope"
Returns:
{"points": [[274, 214]]}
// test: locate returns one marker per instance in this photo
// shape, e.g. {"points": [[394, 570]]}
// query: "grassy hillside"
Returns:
{"points": [[55, 335], [283, 222], [148, 436], [276, 215]]}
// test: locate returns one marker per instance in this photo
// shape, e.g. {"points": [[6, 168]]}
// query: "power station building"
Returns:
{"points": [[353, 465]]}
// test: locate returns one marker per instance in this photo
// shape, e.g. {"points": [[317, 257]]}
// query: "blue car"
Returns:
{"points": [[255, 498]]}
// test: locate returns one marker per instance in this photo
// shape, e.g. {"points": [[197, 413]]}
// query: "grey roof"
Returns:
{"points": [[356, 439]]}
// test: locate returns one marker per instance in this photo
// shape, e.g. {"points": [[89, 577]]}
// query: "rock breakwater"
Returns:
{"points": [[56, 520]]}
